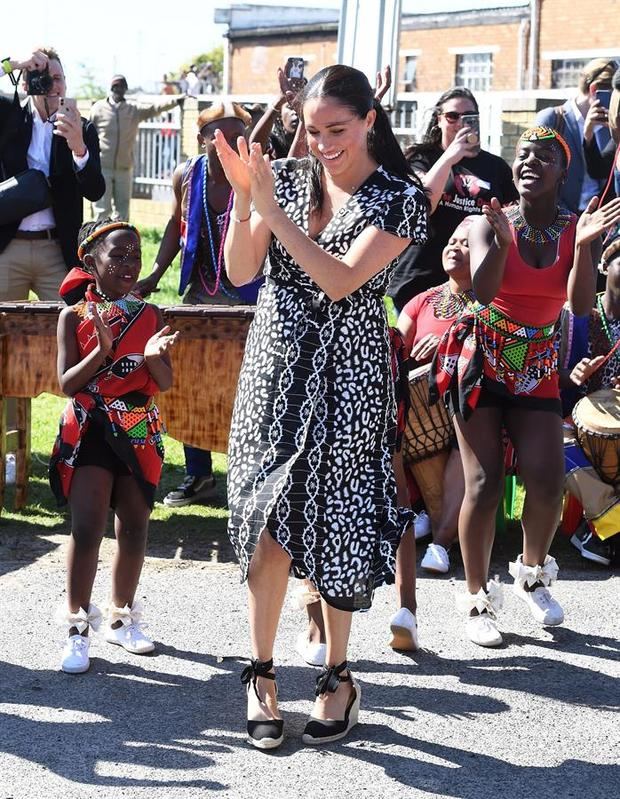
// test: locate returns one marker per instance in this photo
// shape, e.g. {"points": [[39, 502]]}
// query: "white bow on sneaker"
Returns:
{"points": [[75, 659], [531, 586], [130, 634], [481, 628]]}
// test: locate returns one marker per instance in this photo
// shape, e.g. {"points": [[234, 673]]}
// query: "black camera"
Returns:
{"points": [[39, 81]]}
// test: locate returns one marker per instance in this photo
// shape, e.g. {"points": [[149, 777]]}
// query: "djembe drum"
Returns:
{"points": [[426, 441], [597, 419]]}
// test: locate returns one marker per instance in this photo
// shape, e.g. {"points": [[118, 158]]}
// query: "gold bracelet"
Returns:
{"points": [[238, 221]]}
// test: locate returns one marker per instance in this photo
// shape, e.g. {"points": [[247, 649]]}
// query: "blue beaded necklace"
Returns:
{"points": [[219, 261]]}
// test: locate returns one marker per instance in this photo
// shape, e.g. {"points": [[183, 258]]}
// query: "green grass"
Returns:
{"points": [[170, 527]]}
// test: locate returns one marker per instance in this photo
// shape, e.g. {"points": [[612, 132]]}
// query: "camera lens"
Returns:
{"points": [[39, 82]]}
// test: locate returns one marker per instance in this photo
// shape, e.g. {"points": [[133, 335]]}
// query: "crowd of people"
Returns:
{"points": [[344, 430]]}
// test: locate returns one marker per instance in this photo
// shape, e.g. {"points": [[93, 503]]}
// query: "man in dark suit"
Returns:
{"points": [[37, 251], [569, 120]]}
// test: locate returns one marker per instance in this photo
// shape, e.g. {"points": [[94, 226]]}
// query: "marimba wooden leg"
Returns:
{"points": [[2, 450], [22, 453]]}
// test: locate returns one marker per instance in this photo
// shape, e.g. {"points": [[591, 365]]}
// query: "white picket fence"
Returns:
{"points": [[157, 151]]}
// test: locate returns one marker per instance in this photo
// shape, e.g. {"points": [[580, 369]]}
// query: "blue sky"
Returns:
{"points": [[141, 38]]}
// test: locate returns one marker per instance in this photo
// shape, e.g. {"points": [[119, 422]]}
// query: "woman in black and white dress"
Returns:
{"points": [[314, 420]]}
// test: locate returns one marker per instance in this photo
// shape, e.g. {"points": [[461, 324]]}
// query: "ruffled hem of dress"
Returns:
{"points": [[383, 569]]}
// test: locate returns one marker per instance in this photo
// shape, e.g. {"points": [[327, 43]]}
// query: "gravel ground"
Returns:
{"points": [[538, 716]]}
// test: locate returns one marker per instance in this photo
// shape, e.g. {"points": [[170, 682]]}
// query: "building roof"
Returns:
{"points": [[246, 18], [254, 19]]}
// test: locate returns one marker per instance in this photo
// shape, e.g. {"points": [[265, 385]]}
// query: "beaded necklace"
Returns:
{"points": [[534, 234], [447, 305], [605, 321], [217, 262]]}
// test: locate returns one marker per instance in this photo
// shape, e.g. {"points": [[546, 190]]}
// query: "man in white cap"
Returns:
{"points": [[117, 122]]}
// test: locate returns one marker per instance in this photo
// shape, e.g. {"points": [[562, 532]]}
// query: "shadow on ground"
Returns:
{"points": [[113, 726]]}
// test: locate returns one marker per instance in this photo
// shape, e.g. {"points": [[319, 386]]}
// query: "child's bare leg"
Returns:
{"points": [[131, 524], [91, 489], [406, 553]]}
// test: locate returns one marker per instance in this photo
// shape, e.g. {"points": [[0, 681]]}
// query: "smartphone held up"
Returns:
{"points": [[472, 121], [294, 71]]}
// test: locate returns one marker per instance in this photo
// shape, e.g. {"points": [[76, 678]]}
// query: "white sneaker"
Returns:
{"points": [[313, 654], [483, 631], [131, 637], [404, 629], [75, 658], [543, 607], [436, 559], [422, 525]]}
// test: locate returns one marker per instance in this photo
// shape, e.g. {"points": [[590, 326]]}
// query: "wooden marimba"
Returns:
{"points": [[196, 410]]}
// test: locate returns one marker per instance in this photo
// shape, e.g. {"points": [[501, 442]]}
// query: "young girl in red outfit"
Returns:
{"points": [[112, 359], [498, 367]]}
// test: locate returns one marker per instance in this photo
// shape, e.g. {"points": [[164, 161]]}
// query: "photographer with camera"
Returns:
{"points": [[42, 139]]}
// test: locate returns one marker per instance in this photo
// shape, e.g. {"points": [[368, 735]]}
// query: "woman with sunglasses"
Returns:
{"points": [[459, 177]]}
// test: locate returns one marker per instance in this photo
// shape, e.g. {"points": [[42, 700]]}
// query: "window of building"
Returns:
{"points": [[409, 73], [474, 71], [565, 72]]}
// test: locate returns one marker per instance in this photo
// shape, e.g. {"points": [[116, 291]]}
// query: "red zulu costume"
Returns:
{"points": [[118, 401]]}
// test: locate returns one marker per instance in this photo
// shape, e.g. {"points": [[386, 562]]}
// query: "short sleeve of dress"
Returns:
{"points": [[404, 213]]}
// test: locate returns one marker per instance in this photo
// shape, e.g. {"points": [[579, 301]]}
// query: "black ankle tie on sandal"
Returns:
{"points": [[329, 679], [266, 734], [256, 669], [326, 730]]}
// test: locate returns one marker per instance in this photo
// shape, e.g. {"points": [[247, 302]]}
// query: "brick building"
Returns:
{"points": [[501, 46]]}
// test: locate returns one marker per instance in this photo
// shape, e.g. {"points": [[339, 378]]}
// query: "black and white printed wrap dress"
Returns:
{"points": [[314, 419]]}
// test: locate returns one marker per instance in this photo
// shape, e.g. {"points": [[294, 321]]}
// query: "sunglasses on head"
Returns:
{"points": [[454, 116]]}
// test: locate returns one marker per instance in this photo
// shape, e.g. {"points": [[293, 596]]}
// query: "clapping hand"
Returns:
{"points": [[103, 331], [235, 164], [595, 221], [261, 181], [499, 223], [160, 342]]}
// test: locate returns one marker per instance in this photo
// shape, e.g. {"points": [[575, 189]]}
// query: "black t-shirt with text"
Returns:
{"points": [[470, 186]]}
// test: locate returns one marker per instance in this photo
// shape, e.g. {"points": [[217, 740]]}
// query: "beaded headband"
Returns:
{"points": [[543, 133], [105, 229]]}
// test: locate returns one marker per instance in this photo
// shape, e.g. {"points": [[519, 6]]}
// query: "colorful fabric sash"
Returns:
{"points": [[119, 397], [485, 341]]}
